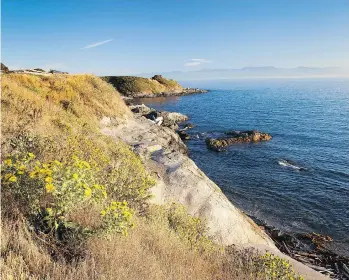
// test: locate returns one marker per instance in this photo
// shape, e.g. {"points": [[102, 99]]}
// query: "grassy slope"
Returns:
{"points": [[129, 85], [57, 116]]}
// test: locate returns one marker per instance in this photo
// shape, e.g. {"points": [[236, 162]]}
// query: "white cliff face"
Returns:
{"points": [[185, 183], [180, 180]]}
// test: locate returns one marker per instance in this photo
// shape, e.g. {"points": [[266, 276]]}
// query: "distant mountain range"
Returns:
{"points": [[254, 72]]}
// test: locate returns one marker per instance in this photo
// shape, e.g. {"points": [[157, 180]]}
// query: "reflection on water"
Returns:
{"points": [[159, 101]]}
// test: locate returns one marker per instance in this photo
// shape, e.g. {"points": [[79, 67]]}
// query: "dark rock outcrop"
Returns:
{"points": [[4, 68], [233, 137], [186, 126], [39, 70], [57, 72], [183, 135]]}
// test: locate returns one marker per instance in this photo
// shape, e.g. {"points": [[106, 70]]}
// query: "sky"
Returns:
{"points": [[116, 37]]}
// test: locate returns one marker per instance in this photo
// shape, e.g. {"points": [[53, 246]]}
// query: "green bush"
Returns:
{"points": [[56, 189], [276, 268], [117, 167], [117, 217], [191, 230]]}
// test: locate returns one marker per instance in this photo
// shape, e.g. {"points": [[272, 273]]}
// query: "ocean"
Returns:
{"points": [[298, 181]]}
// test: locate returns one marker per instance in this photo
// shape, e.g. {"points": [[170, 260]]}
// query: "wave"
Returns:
{"points": [[290, 164], [337, 173]]}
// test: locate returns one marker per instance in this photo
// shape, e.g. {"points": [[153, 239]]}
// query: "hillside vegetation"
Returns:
{"points": [[75, 202], [134, 86]]}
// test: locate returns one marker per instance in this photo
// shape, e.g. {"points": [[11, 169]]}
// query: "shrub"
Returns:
{"points": [[117, 168], [17, 181], [191, 230], [275, 268], [117, 217], [53, 190]]}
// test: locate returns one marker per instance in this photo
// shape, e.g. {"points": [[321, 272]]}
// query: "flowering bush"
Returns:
{"points": [[117, 217], [115, 166], [275, 268], [129, 182], [16, 180], [55, 189]]}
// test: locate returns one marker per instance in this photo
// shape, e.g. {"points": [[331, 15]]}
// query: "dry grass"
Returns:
{"points": [[57, 108], [91, 95], [46, 105], [151, 251]]}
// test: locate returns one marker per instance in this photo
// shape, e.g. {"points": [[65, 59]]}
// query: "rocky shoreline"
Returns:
{"points": [[185, 91], [311, 249]]}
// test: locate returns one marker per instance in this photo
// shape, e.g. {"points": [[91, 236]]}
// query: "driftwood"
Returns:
{"points": [[310, 249]]}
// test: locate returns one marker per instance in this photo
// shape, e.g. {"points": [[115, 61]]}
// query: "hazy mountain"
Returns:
{"points": [[254, 72]]}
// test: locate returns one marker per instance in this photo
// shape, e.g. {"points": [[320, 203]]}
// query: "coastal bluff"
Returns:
{"points": [[178, 179], [68, 115], [132, 86]]}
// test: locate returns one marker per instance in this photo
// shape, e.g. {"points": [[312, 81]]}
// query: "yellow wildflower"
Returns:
{"points": [[8, 162], [48, 179], [87, 165], [49, 211], [31, 155], [88, 192], [32, 174], [75, 176], [22, 167], [13, 178], [50, 188], [103, 212]]}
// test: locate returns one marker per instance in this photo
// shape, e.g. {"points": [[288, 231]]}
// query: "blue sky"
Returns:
{"points": [[124, 37]]}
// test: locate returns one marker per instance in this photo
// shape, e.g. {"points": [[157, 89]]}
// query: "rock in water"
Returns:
{"points": [[173, 116], [183, 135], [233, 137], [172, 119], [188, 126], [141, 109]]}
